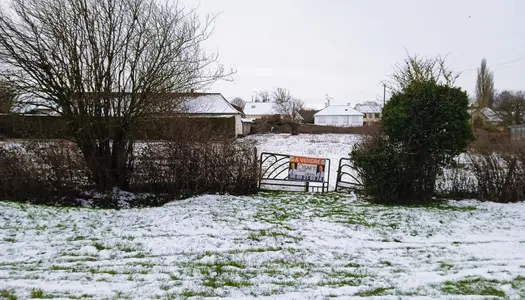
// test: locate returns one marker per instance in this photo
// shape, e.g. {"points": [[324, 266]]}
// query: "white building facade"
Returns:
{"points": [[339, 115]]}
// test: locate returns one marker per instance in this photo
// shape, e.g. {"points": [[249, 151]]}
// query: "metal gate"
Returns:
{"points": [[274, 175], [347, 177]]}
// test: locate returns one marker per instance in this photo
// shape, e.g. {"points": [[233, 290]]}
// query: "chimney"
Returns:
{"points": [[326, 104], [328, 101]]}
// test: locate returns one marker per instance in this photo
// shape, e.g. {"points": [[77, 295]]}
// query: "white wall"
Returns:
{"points": [[343, 121], [238, 124]]}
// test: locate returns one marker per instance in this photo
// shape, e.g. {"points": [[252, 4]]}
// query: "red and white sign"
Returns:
{"points": [[306, 169]]}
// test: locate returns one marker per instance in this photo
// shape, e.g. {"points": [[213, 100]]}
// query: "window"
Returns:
{"points": [[377, 116], [321, 119]]}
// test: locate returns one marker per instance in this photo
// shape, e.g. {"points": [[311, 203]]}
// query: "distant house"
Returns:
{"points": [[482, 117], [210, 105], [339, 115], [192, 104], [372, 112], [246, 122], [257, 110]]}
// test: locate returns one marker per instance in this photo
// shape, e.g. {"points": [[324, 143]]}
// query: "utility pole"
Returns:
{"points": [[384, 94]]}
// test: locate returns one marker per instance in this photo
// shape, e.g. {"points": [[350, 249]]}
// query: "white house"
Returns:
{"points": [[193, 104], [372, 112], [211, 105], [257, 110], [339, 115]]}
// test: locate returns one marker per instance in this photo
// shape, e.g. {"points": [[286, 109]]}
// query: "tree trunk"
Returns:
{"points": [[295, 128], [109, 164]]}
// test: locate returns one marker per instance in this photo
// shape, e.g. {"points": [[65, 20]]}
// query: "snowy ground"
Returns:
{"points": [[272, 246]]}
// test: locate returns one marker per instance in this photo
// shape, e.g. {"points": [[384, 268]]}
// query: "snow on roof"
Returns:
{"points": [[207, 103], [369, 107], [259, 108], [339, 110], [490, 114]]}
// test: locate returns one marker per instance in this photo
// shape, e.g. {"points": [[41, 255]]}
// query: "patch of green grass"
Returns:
{"points": [[285, 283], [193, 293], [473, 286], [39, 294], [83, 296], [8, 294], [174, 277], [352, 265], [139, 255], [518, 283], [373, 292], [343, 278], [219, 265], [99, 246], [256, 250], [102, 271], [10, 240], [211, 282], [78, 238], [144, 264], [456, 243], [125, 248], [445, 266], [266, 233], [236, 283], [110, 272], [387, 263], [60, 268]]}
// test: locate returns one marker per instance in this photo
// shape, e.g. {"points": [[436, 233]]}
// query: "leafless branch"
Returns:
{"points": [[419, 69], [92, 60]]}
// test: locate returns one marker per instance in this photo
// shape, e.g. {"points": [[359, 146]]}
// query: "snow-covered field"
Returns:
{"points": [[271, 246]]}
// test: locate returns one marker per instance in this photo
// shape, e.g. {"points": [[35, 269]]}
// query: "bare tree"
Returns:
{"points": [[281, 95], [288, 107], [420, 69], [239, 102], [7, 97], [511, 106], [97, 62], [484, 86], [263, 96]]}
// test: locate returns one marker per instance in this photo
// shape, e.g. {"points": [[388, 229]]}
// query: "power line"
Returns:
{"points": [[498, 64]]}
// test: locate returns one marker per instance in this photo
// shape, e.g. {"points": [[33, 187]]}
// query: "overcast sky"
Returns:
{"points": [[344, 48]]}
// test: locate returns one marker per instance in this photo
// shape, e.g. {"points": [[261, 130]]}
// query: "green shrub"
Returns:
{"points": [[425, 125]]}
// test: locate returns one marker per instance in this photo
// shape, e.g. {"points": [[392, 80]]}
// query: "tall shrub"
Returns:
{"points": [[425, 125]]}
